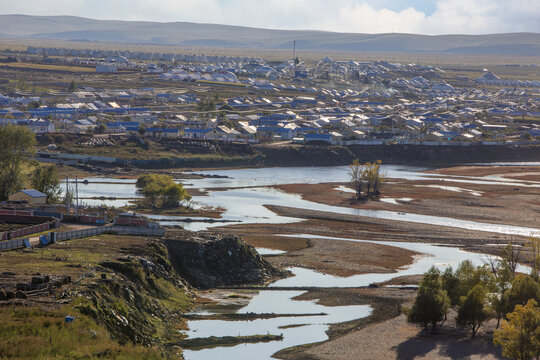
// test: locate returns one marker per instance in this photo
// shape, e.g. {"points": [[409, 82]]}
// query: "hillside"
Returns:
{"points": [[211, 35]]}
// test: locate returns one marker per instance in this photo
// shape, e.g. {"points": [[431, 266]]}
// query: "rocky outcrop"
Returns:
{"points": [[210, 260]]}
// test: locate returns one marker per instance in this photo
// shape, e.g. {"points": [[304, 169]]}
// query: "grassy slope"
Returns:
{"points": [[35, 328], [35, 333]]}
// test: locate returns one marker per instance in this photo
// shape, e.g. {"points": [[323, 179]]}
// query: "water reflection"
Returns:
{"points": [[313, 328]]}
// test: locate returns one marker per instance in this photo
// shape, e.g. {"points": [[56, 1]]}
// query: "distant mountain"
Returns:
{"points": [[194, 34]]}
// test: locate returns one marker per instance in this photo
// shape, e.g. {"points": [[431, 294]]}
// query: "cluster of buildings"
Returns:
{"points": [[334, 102]]}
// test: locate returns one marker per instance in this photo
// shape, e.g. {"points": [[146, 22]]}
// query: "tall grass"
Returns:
{"points": [[33, 333]]}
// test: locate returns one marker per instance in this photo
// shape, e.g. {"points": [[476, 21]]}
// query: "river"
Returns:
{"points": [[244, 193]]}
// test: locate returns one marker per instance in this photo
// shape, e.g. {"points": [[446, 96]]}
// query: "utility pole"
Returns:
{"points": [[294, 58], [77, 197], [67, 194]]}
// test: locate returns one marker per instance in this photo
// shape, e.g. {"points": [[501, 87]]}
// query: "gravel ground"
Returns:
{"points": [[396, 339]]}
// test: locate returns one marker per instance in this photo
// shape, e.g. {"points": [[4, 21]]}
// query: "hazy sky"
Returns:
{"points": [[366, 16]]}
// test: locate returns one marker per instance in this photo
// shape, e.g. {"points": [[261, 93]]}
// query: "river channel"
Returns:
{"points": [[307, 329], [243, 194]]}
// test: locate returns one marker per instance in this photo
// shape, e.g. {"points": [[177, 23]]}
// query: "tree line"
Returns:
{"points": [[477, 294]]}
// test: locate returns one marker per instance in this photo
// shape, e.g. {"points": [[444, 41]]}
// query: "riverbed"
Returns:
{"points": [[246, 194]]}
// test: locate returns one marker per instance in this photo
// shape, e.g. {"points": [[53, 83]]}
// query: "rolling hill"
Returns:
{"points": [[211, 35]]}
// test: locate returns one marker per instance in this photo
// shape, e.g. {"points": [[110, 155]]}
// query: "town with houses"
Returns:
{"points": [[324, 102]]}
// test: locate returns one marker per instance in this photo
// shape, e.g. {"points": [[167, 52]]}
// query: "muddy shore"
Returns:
{"points": [[517, 204]]}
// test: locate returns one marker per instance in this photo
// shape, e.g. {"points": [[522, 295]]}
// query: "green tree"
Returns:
{"points": [[152, 192], [69, 197], [173, 194], [22, 84], [161, 190], [499, 302], [524, 287], [45, 179], [450, 283], [431, 303], [473, 310], [458, 284], [17, 145], [519, 337]]}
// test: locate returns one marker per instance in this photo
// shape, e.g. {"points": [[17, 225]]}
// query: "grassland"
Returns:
{"points": [[128, 315], [35, 333]]}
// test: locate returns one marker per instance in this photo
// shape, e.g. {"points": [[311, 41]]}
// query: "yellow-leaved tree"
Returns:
{"points": [[519, 337]]}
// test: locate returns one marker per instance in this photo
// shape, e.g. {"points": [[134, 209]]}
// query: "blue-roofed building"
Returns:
{"points": [[12, 112], [534, 132], [302, 74], [266, 122], [307, 130], [129, 126], [28, 196], [318, 138], [304, 101], [41, 127], [432, 119]]}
